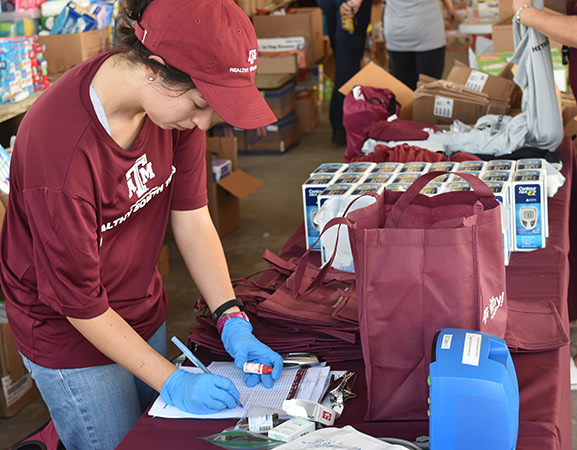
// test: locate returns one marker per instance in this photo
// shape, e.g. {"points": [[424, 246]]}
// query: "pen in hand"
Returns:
{"points": [[193, 359]]}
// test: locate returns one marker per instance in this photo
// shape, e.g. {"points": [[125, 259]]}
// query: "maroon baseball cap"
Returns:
{"points": [[213, 41]]}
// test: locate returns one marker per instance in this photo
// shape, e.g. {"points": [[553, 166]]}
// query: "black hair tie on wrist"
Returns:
{"points": [[226, 305]]}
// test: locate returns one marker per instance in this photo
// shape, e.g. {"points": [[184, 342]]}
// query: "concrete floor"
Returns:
{"points": [[268, 218]]}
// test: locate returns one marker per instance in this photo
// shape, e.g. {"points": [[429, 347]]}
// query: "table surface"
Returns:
{"points": [[534, 279]]}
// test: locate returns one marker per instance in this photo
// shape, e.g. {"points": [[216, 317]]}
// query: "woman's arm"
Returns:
{"points": [[556, 26], [114, 337], [201, 250], [451, 13]]}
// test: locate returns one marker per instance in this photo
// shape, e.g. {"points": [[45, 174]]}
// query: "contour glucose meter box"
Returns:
{"points": [[349, 178], [470, 166], [529, 204], [311, 189], [330, 168], [359, 167], [501, 190], [446, 166], [387, 167], [537, 163], [415, 167], [378, 178]]}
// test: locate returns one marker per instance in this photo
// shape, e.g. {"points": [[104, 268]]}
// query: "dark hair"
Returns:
{"points": [[136, 52]]}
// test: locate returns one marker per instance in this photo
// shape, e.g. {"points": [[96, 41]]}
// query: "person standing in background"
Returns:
{"points": [[415, 38], [348, 48]]}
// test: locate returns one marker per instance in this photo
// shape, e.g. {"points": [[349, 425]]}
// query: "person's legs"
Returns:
{"points": [[431, 63], [404, 68], [93, 407], [349, 49]]}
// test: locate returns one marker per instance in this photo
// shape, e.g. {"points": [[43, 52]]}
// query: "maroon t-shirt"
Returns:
{"points": [[86, 220]]}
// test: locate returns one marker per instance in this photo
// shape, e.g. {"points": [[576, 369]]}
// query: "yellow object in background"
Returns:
{"points": [[347, 23]]}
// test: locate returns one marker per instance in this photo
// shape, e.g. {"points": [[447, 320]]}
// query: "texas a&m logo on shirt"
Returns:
{"points": [[138, 175]]}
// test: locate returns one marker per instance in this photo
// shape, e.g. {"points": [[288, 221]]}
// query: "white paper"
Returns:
{"points": [[346, 438], [309, 389]]}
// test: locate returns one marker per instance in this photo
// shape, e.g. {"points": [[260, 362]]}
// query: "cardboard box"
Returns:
{"points": [[493, 86], [281, 100], [224, 196], [503, 36], [278, 137], [277, 63], [64, 51], [375, 76], [307, 110], [506, 7], [295, 45], [225, 130], [306, 22], [441, 103], [17, 387]]}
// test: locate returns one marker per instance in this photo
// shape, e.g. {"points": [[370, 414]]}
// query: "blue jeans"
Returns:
{"points": [[94, 407]]}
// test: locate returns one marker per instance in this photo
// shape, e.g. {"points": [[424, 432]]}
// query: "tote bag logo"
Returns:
{"points": [[495, 303]]}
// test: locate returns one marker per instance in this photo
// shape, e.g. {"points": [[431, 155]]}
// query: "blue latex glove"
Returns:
{"points": [[199, 393], [241, 344]]}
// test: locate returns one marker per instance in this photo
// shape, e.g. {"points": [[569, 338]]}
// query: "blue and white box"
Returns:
{"points": [[311, 189], [387, 167], [330, 168], [360, 167], [529, 198]]}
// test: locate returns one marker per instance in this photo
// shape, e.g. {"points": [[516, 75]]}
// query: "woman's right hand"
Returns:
{"points": [[199, 393]]}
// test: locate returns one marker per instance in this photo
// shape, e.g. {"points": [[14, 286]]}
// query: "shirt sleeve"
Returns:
{"points": [[66, 256], [190, 177]]}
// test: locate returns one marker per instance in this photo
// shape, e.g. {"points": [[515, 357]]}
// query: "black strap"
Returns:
{"points": [[226, 305]]}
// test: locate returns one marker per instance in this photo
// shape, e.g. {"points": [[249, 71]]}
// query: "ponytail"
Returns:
{"points": [[136, 52]]}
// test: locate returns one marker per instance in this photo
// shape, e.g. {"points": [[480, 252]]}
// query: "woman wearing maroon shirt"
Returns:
{"points": [[101, 161]]}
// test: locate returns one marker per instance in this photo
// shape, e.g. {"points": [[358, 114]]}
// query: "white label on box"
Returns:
{"points": [[477, 81], [443, 107], [14, 390], [446, 343], [472, 349]]}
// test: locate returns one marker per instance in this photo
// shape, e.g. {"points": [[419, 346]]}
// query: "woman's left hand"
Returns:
{"points": [[519, 3], [244, 347]]}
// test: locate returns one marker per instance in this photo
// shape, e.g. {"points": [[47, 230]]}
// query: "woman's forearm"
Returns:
{"points": [[115, 338]]}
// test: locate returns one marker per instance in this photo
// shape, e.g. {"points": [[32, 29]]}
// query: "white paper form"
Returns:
{"points": [[256, 396]]}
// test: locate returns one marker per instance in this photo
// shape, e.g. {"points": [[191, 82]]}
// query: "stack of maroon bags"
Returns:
{"points": [[291, 314]]}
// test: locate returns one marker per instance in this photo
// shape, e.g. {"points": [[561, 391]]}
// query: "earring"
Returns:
{"points": [[150, 78]]}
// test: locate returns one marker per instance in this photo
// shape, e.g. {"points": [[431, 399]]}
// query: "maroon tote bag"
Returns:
{"points": [[423, 263]]}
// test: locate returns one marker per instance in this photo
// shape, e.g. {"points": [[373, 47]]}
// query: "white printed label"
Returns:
{"points": [[260, 424], [15, 390], [443, 107], [446, 344], [477, 81], [472, 349]]}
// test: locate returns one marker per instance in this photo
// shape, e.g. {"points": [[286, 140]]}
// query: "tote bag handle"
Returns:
{"points": [[318, 279], [479, 187]]}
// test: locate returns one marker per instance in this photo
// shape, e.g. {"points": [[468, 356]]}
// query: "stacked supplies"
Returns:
{"points": [[22, 68], [320, 318]]}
